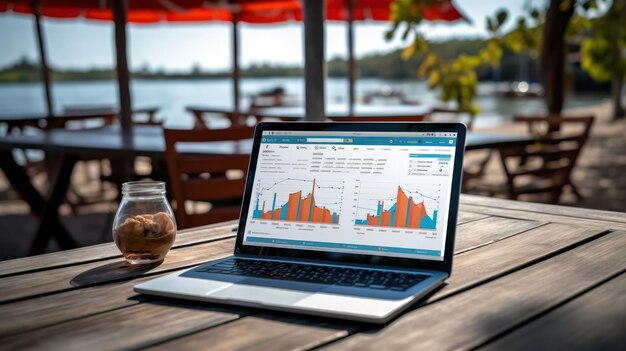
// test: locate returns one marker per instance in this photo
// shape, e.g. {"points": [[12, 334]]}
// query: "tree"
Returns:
{"points": [[552, 60], [601, 37], [604, 51], [455, 78], [546, 32]]}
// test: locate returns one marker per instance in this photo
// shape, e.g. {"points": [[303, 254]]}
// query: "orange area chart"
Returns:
{"points": [[404, 213], [297, 209]]}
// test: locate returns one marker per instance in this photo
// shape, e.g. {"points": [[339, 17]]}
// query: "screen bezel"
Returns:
{"points": [[265, 251]]}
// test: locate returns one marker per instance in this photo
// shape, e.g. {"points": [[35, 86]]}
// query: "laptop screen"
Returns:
{"points": [[373, 193]]}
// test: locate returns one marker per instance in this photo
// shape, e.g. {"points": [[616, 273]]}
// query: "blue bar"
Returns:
{"points": [[408, 211], [283, 212], [352, 140], [256, 213], [312, 203], [429, 223], [298, 212], [344, 246], [273, 204]]}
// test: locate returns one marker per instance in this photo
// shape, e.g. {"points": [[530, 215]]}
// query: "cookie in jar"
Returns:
{"points": [[144, 228]]}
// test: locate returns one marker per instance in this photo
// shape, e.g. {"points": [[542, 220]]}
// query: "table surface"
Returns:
{"points": [[332, 110], [148, 141], [524, 275], [76, 111]]}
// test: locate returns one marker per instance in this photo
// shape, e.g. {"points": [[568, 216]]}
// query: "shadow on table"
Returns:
{"points": [[111, 272], [17, 231]]}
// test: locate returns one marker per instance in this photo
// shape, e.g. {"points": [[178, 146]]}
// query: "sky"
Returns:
{"points": [[77, 43]]}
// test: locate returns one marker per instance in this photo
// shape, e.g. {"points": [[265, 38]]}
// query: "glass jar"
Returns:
{"points": [[144, 227]]}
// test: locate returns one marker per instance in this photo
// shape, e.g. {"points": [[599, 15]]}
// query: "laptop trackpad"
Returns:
{"points": [[259, 294]]}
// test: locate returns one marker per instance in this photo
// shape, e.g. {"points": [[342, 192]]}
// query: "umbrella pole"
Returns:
{"points": [[123, 76], [45, 71], [236, 72], [125, 167], [314, 59], [351, 65]]}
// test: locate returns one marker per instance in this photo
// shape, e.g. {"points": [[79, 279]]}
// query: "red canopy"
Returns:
{"points": [[249, 11]]}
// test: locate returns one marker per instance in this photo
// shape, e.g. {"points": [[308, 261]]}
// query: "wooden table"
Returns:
{"points": [[75, 113], [525, 276], [69, 146]]}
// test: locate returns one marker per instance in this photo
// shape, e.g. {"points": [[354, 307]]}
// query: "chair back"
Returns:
{"points": [[543, 125], [80, 122], [545, 164], [217, 179], [204, 118]]}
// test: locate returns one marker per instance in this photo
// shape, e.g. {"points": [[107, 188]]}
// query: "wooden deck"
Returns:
{"points": [[525, 276]]}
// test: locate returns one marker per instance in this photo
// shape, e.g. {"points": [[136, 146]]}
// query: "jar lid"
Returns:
{"points": [[143, 188]]}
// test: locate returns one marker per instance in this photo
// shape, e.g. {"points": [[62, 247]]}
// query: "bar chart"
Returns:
{"points": [[409, 208], [299, 200]]}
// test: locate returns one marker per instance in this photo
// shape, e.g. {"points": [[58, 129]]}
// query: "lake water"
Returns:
{"points": [[172, 96]]}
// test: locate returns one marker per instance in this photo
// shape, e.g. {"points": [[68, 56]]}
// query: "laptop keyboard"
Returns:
{"points": [[354, 277]]}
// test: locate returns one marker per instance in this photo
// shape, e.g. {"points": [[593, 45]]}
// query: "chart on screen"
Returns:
{"points": [[299, 200], [412, 206]]}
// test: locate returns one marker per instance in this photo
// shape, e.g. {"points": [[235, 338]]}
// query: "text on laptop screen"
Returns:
{"points": [[374, 193]]}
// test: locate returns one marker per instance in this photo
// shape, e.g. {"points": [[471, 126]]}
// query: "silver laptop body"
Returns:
{"points": [[373, 200]]}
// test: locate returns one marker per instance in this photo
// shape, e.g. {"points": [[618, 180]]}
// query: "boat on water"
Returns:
{"points": [[516, 89], [274, 97], [386, 96]]}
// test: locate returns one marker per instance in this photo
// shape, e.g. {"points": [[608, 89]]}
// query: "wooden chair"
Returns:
{"points": [[205, 118], [541, 126], [270, 118], [206, 178], [556, 126], [140, 116], [543, 166]]}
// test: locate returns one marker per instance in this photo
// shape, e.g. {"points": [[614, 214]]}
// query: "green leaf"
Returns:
{"points": [[406, 32], [501, 17], [433, 79], [565, 5], [490, 26], [408, 52], [534, 13]]}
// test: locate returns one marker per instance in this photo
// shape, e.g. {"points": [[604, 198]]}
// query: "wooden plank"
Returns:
{"points": [[75, 304], [471, 318], [593, 321], [513, 253], [263, 332], [17, 317], [540, 216], [466, 216], [89, 274], [109, 250], [470, 269], [128, 328], [574, 212], [485, 231]]}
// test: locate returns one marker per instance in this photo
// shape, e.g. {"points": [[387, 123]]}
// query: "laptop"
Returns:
{"points": [[347, 220]]}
